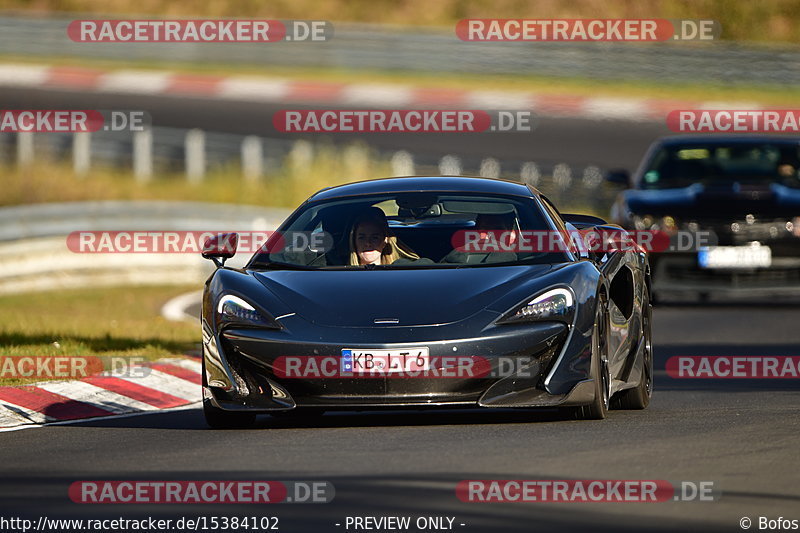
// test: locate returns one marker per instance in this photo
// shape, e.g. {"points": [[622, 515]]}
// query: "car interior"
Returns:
{"points": [[424, 223]]}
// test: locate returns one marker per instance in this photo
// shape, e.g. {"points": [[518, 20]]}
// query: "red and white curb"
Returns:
{"points": [[283, 91], [164, 384]]}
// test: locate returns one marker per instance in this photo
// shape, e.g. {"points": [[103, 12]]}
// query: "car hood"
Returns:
{"points": [[732, 201], [414, 297]]}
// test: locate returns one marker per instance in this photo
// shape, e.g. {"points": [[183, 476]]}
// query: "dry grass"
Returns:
{"points": [[763, 21], [288, 186]]}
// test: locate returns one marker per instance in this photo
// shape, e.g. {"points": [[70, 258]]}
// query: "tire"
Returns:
{"points": [[639, 397], [217, 418], [598, 409]]}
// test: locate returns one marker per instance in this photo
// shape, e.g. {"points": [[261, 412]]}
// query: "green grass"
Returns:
{"points": [[109, 322], [657, 89]]}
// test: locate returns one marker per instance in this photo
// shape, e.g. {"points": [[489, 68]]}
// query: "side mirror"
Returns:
{"points": [[220, 247], [620, 176]]}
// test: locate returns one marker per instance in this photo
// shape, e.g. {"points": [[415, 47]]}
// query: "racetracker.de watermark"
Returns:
{"points": [[402, 121], [733, 367], [199, 31], [201, 492], [381, 364], [49, 367], [584, 490], [734, 120], [72, 120], [595, 240], [46, 367], [587, 30], [195, 242]]}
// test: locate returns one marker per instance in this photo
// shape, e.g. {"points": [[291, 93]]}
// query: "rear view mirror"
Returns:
{"points": [[220, 247], [620, 176]]}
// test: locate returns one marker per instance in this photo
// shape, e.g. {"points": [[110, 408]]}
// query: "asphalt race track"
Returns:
{"points": [[742, 435], [607, 144], [739, 434]]}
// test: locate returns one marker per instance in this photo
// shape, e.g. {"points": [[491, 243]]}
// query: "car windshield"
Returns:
{"points": [[408, 230], [757, 163]]}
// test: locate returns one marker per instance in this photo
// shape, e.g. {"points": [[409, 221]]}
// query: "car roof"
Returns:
{"points": [[468, 184], [726, 139]]}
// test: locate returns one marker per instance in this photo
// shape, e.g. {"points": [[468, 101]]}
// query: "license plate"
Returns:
{"points": [[385, 361], [735, 257]]}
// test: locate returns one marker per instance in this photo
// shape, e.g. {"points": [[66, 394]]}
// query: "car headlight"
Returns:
{"points": [[667, 224], [554, 304], [234, 310]]}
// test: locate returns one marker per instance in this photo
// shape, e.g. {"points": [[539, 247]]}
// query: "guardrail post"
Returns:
{"points": [[355, 158], [490, 168], [301, 156], [81, 153], [143, 155], [562, 176], [530, 174], [592, 177], [402, 164], [252, 158], [195, 154], [450, 165], [24, 148]]}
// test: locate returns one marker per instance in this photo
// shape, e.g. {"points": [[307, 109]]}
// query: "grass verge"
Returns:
{"points": [[766, 20], [286, 186], [122, 322]]}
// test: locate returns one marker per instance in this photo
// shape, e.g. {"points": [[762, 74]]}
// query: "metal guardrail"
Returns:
{"points": [[60, 219], [564, 183], [361, 46], [34, 255]]}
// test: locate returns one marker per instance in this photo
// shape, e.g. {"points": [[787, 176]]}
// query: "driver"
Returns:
{"points": [[372, 242]]}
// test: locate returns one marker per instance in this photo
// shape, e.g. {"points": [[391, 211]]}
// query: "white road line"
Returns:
{"points": [[169, 385], [175, 309], [91, 394], [10, 418], [192, 405]]}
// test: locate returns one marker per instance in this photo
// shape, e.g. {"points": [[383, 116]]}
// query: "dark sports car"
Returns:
{"points": [[395, 293], [731, 205]]}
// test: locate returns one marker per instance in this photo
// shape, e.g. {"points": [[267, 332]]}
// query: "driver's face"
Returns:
{"points": [[370, 241]]}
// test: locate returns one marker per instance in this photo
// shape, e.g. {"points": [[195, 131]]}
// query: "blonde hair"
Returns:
{"points": [[392, 250]]}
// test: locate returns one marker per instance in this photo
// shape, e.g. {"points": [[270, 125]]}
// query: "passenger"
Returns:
{"points": [[502, 228], [372, 242]]}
